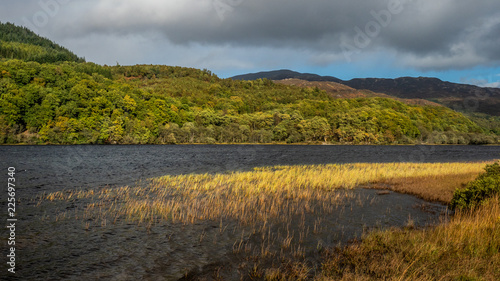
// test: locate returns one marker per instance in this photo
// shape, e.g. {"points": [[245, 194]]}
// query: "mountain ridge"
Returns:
{"points": [[460, 97], [285, 74]]}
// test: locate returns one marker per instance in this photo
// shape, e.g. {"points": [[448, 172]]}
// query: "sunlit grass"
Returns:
{"points": [[271, 203], [465, 248], [266, 193]]}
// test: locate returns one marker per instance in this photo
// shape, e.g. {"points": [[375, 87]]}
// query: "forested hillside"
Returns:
{"points": [[79, 103], [465, 98], [20, 43], [50, 96]]}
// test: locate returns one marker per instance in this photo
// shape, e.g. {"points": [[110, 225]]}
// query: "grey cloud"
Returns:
{"points": [[427, 34], [253, 22], [489, 43], [422, 30]]}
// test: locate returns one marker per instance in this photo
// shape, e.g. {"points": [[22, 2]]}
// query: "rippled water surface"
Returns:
{"points": [[68, 250], [48, 168]]}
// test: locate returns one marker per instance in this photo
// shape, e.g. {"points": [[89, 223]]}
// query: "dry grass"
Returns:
{"points": [[272, 203], [437, 188], [265, 193], [465, 248]]}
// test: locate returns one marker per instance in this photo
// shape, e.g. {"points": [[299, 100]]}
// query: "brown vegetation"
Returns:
{"points": [[465, 248], [273, 211], [438, 188], [342, 91]]}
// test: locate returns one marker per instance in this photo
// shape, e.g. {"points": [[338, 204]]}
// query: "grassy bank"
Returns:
{"points": [[465, 248], [275, 210]]}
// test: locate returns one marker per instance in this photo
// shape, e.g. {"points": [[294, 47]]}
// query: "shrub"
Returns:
{"points": [[483, 187]]}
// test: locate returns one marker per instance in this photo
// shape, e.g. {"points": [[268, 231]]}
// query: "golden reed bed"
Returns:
{"points": [[467, 246], [265, 192]]}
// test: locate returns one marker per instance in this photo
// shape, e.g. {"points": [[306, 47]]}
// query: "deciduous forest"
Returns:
{"points": [[48, 95]]}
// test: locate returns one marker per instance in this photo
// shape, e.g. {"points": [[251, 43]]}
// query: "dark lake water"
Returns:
{"points": [[48, 168], [64, 250]]}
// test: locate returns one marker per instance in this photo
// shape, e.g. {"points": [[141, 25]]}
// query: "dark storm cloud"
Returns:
{"points": [[430, 26], [489, 43], [425, 34], [237, 22]]}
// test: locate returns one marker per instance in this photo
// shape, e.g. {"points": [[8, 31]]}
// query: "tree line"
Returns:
{"points": [[85, 103], [18, 42]]}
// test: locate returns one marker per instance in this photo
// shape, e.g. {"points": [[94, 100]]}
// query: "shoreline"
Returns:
{"points": [[254, 144]]}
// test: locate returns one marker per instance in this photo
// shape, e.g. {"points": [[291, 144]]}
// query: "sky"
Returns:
{"points": [[454, 40]]}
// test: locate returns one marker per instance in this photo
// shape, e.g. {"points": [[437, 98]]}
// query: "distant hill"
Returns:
{"points": [[285, 74], [460, 97], [18, 42], [342, 91], [335, 89]]}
